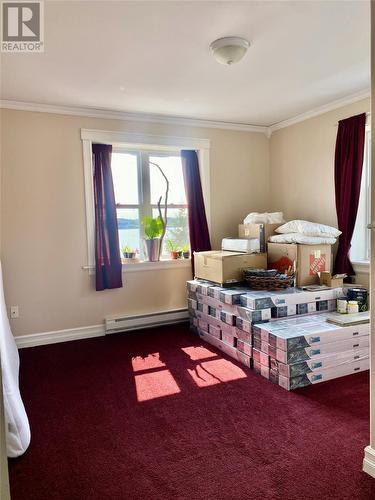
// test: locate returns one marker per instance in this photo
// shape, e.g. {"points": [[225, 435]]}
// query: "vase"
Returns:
{"points": [[151, 248]]}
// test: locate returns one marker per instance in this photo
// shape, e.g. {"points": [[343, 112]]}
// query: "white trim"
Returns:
{"points": [[361, 267], [149, 266], [179, 120], [138, 141], [338, 103], [145, 141], [89, 200], [369, 461], [35, 339], [128, 116]]}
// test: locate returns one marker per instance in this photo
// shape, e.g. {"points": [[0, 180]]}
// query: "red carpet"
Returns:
{"points": [[158, 415]]}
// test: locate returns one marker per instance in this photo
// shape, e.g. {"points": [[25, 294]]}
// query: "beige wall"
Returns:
{"points": [[43, 218], [302, 166]]}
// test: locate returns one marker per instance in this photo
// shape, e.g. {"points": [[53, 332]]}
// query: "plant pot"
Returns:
{"points": [[151, 249], [174, 255], [129, 255], [179, 254], [186, 255]]}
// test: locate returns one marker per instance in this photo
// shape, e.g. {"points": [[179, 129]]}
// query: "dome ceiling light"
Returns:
{"points": [[230, 49]]}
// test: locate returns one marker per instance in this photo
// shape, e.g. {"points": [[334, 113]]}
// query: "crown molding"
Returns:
{"points": [[338, 103], [179, 120], [127, 116]]}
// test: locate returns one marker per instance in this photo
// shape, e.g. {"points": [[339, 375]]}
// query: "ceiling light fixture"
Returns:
{"points": [[230, 49]]}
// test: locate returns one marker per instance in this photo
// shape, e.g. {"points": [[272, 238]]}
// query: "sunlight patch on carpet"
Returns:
{"points": [[197, 353], [155, 385], [215, 372], [149, 362]]}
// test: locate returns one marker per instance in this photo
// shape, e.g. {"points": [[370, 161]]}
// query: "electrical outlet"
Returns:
{"points": [[14, 312]]}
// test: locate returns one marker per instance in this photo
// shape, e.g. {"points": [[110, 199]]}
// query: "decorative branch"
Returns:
{"points": [[164, 219]]}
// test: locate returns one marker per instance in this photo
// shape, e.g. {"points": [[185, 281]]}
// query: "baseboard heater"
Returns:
{"points": [[116, 324]]}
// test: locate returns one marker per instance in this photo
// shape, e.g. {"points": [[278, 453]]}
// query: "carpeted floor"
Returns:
{"points": [[159, 415]]}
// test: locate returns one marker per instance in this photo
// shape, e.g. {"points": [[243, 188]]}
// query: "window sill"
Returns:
{"points": [[155, 266], [361, 266], [150, 266]]}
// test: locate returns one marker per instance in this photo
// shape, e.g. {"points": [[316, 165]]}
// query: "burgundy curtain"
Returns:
{"points": [[107, 248], [198, 228], [348, 173]]}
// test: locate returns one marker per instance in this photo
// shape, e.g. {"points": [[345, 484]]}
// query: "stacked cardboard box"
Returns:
{"points": [[302, 351], [244, 324]]}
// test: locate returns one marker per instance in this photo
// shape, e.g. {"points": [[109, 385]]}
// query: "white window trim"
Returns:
{"points": [[139, 141], [363, 266]]}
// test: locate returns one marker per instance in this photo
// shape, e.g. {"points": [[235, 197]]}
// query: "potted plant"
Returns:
{"points": [[172, 249], [153, 228], [186, 251], [179, 252], [128, 252]]}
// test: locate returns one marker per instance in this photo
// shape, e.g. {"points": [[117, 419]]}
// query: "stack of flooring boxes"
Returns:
{"points": [[298, 350]]}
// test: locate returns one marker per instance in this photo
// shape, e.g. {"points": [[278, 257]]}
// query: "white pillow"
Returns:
{"points": [[308, 229], [302, 238]]}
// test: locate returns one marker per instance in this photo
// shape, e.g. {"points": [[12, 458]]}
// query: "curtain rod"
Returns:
{"points": [[368, 114]]}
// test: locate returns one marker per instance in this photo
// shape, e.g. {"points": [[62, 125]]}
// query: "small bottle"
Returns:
{"points": [[353, 306], [342, 306]]}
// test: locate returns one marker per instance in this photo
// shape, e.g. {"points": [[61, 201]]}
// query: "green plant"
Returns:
{"points": [[153, 227], [185, 248], [127, 249], [171, 245]]}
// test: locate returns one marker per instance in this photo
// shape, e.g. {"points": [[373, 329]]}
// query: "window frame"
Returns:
{"points": [[144, 206], [363, 265], [135, 142]]}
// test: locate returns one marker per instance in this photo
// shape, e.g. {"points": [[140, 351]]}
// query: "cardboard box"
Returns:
{"points": [[320, 376], [298, 333], [226, 348], [309, 260], [244, 347], [288, 297], [226, 267], [289, 357], [253, 315], [327, 279], [244, 336], [319, 362], [260, 231]]}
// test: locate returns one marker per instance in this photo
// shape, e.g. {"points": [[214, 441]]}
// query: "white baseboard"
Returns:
{"points": [[369, 461], [35, 339]]}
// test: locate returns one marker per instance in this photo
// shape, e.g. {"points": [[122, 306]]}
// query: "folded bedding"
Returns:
{"points": [[302, 239], [307, 228]]}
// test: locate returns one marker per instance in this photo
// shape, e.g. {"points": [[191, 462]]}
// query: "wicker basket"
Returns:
{"points": [[277, 281]]}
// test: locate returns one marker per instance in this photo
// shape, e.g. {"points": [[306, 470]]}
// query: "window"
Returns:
{"points": [[360, 251], [138, 186]]}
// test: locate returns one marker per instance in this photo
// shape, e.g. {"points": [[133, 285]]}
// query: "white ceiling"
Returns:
{"points": [[153, 57]]}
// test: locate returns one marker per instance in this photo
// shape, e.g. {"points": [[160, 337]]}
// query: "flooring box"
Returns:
{"points": [[297, 333], [244, 336], [308, 259], [321, 376], [319, 363], [289, 357], [259, 231], [244, 347], [226, 267], [288, 297], [227, 349], [253, 315]]}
